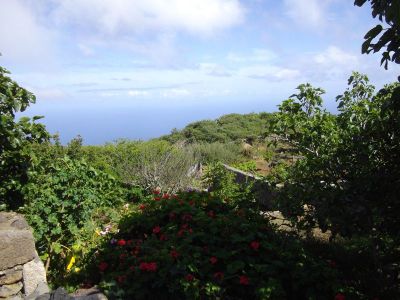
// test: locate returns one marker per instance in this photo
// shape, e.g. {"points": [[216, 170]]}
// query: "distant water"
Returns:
{"points": [[103, 122]]}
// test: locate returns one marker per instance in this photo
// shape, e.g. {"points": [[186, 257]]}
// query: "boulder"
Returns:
{"points": [[34, 275], [17, 245], [12, 275]]}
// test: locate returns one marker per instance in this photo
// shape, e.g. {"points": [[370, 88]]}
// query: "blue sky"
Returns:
{"points": [[109, 69]]}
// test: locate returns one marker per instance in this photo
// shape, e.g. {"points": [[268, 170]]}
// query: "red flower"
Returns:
{"points": [[103, 266], [163, 237], [123, 256], [211, 214], [165, 196], [340, 296], [174, 254], [189, 277], [156, 192], [142, 206], [255, 245], [181, 232], [191, 203], [156, 229], [213, 260], [219, 275], [332, 263], [121, 242], [150, 267], [129, 242], [244, 280], [187, 217], [184, 226], [132, 268], [121, 278], [157, 198]]}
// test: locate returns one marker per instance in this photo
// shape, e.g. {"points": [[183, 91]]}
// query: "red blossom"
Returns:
{"points": [[332, 263], [255, 245], [191, 203], [219, 275], [189, 277], [174, 254], [123, 256], [121, 242], [103, 266], [121, 278], [213, 260], [244, 280], [187, 217], [156, 192], [211, 214], [156, 229], [129, 242], [132, 268], [163, 237], [157, 198], [142, 206], [340, 296], [184, 226], [150, 267], [181, 232], [165, 196]]}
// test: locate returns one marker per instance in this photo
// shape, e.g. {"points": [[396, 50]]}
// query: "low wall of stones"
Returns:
{"points": [[22, 273], [261, 188]]}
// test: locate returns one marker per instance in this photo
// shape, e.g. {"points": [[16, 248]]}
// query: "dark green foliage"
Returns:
{"points": [[196, 246], [15, 137], [61, 199], [350, 168], [228, 128], [379, 38]]}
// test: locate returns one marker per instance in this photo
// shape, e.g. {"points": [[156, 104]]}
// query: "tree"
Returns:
{"points": [[387, 11], [348, 178], [15, 138]]}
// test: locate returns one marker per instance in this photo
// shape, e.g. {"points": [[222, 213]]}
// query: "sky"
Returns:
{"points": [[109, 69]]}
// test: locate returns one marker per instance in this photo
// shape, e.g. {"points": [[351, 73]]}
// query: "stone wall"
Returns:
{"points": [[261, 188], [22, 274]]}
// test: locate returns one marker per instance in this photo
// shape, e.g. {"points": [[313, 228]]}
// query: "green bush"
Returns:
{"points": [[61, 200], [195, 246], [15, 138]]}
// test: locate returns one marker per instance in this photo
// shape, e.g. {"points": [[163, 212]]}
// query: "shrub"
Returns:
{"points": [[196, 246], [61, 201], [15, 138]]}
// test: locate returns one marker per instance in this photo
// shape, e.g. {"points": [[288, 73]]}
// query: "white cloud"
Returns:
{"points": [[138, 93], [175, 92], [335, 56], [22, 38], [257, 55], [310, 13], [214, 69], [86, 50], [274, 73], [125, 17]]}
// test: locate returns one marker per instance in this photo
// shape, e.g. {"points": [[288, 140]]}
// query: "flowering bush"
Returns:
{"points": [[172, 247]]}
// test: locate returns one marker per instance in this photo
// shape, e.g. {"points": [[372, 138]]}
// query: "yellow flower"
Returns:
{"points": [[71, 263]]}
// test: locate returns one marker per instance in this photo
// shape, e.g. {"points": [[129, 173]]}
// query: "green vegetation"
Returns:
{"points": [[228, 128], [117, 215]]}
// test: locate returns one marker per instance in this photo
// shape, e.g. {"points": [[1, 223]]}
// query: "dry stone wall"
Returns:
{"points": [[22, 274]]}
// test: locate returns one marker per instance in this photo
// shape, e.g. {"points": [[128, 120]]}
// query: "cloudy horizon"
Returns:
{"points": [[136, 69]]}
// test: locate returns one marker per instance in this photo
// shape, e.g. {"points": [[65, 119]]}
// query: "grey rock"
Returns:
{"points": [[16, 241], [34, 275], [12, 275], [41, 289], [10, 289]]}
